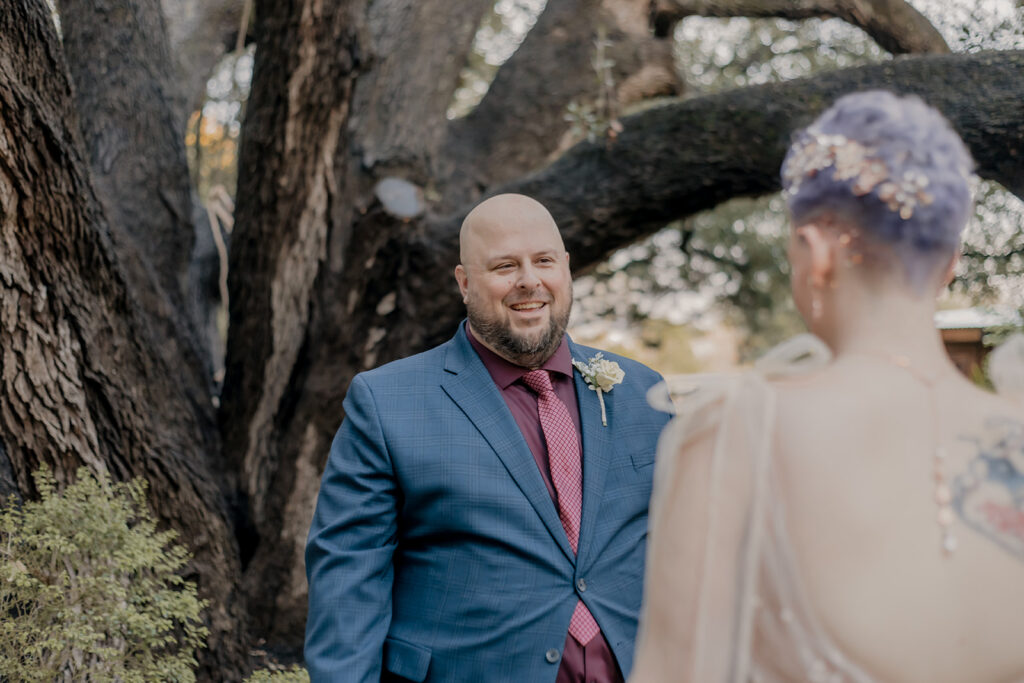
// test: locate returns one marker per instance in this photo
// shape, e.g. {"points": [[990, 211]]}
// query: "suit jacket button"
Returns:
{"points": [[551, 655], [581, 584]]}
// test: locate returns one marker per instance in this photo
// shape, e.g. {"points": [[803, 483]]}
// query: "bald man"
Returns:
{"points": [[482, 516]]}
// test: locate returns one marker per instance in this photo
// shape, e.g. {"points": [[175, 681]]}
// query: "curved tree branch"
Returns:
{"points": [[894, 24], [679, 159], [521, 121]]}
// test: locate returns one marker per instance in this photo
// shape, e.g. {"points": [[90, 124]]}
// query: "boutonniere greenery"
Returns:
{"points": [[601, 376]]}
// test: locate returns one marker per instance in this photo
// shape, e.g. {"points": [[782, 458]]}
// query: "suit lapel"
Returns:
{"points": [[597, 452], [471, 387]]}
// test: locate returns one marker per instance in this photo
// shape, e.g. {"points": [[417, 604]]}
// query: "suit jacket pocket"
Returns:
{"points": [[642, 459], [406, 660]]}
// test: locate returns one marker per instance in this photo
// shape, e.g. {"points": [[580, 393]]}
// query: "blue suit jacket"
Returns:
{"points": [[436, 552]]}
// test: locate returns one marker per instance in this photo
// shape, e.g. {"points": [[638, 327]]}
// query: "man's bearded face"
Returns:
{"points": [[515, 280], [528, 342]]}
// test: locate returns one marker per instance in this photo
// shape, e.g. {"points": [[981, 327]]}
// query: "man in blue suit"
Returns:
{"points": [[483, 512]]}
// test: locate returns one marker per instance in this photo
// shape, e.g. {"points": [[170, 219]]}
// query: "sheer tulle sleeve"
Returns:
{"points": [[706, 524]]}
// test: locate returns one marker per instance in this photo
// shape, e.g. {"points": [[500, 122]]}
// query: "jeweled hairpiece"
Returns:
{"points": [[850, 160]]}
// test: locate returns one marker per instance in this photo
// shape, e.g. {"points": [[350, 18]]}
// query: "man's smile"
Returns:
{"points": [[528, 306]]}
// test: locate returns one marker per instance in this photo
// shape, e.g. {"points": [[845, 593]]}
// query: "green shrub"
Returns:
{"points": [[296, 674], [90, 590]]}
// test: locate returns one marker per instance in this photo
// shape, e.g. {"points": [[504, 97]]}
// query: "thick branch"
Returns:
{"points": [[521, 122], [676, 160], [673, 161], [894, 24], [400, 105]]}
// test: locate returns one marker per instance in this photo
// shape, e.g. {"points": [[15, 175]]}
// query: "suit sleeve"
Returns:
{"points": [[350, 548]]}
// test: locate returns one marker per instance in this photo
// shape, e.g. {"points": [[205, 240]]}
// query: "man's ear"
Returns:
{"points": [[823, 258], [462, 278]]}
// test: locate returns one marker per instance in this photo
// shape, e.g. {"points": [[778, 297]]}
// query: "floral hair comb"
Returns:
{"points": [[851, 160]]}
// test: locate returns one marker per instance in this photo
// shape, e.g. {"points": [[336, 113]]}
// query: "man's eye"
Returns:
{"points": [[505, 266]]}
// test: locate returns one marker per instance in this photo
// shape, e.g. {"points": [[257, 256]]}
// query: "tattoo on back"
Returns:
{"points": [[989, 495]]}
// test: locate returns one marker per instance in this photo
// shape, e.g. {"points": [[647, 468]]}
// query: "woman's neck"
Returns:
{"points": [[893, 325]]}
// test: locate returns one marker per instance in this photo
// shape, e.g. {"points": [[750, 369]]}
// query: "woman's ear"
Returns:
{"points": [[822, 256]]}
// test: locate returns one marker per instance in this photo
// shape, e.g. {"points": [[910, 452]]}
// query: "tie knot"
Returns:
{"points": [[539, 381]]}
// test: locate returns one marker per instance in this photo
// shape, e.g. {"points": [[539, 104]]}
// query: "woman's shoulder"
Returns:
{"points": [[796, 358], [799, 356]]}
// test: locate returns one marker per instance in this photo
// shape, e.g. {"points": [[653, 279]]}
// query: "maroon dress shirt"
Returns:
{"points": [[594, 663]]}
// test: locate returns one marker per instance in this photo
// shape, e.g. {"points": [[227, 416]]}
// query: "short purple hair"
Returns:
{"points": [[893, 166]]}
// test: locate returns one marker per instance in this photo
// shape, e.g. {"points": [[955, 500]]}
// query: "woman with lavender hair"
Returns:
{"points": [[853, 508]]}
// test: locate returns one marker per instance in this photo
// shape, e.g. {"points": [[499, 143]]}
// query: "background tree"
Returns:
{"points": [[352, 183]]}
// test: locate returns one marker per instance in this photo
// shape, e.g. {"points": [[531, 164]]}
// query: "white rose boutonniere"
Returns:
{"points": [[601, 376]]}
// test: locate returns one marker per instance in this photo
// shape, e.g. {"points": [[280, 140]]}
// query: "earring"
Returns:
{"points": [[816, 305]]}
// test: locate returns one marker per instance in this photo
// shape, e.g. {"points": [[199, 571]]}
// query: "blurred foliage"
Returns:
{"points": [[211, 137], [970, 26], [661, 345], [718, 54], [992, 264], [91, 591]]}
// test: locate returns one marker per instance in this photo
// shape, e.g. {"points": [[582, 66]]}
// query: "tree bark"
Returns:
{"points": [[82, 379], [201, 33], [521, 122], [401, 99], [121, 66], [292, 187], [893, 24]]}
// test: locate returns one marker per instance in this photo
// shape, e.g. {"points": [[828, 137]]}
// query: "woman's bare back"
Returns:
{"points": [[859, 481]]}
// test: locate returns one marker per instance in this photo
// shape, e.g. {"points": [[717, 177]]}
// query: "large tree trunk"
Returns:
{"points": [[291, 188], [84, 378], [126, 97]]}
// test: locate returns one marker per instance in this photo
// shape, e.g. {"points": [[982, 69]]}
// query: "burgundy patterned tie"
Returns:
{"points": [[567, 476]]}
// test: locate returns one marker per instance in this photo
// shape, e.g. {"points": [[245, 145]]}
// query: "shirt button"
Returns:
{"points": [[551, 655], [581, 584]]}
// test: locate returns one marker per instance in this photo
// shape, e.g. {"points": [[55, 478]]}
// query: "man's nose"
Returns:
{"points": [[528, 277]]}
